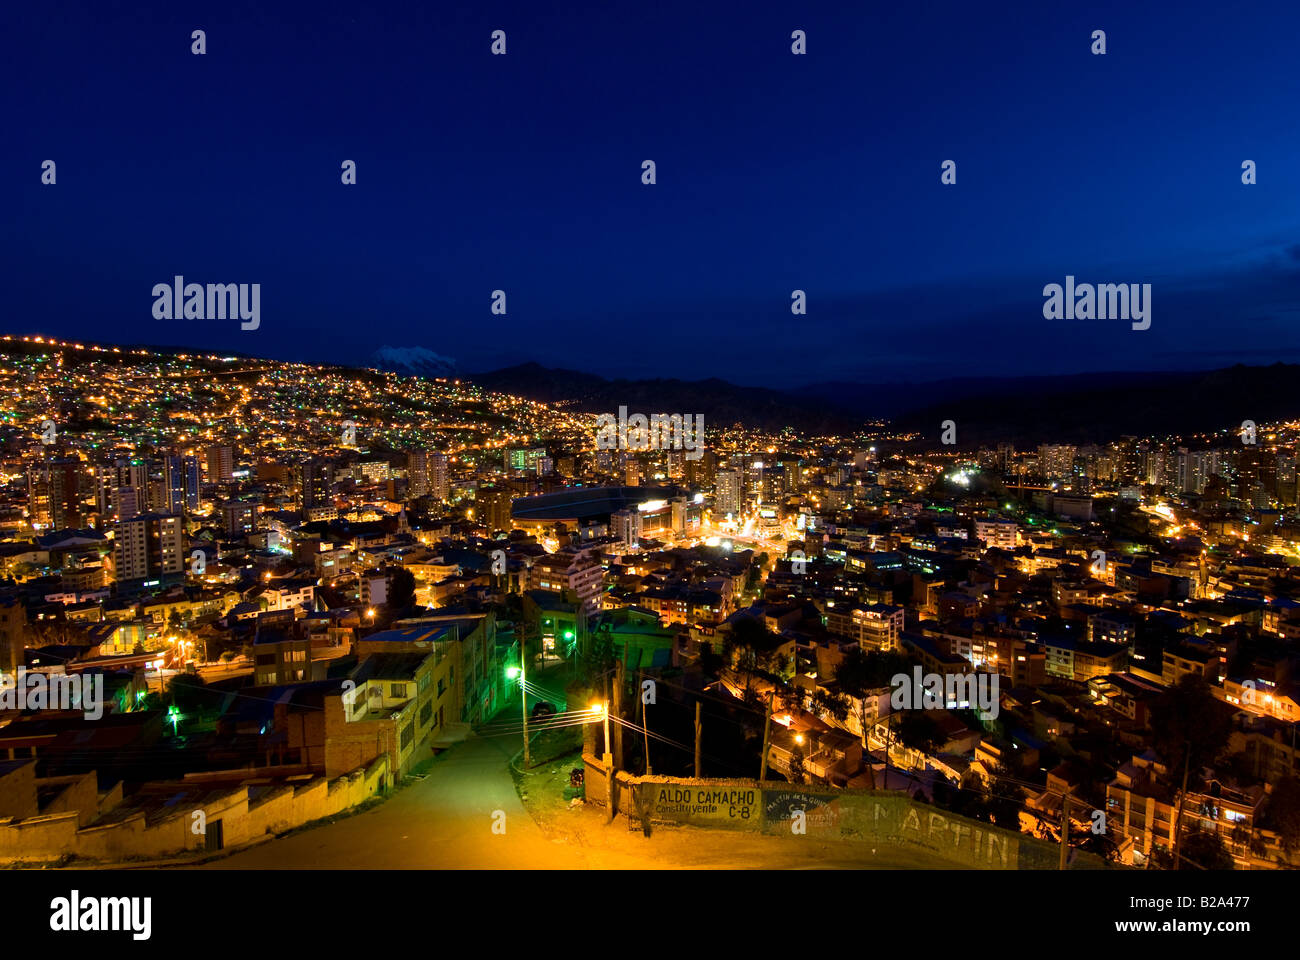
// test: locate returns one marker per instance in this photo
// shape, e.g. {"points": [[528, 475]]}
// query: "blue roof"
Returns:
{"points": [[424, 632]]}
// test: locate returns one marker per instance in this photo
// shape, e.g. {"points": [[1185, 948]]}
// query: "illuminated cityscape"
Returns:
{"points": [[283, 573]]}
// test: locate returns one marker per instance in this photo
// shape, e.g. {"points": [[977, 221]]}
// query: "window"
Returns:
{"points": [[397, 690], [408, 734], [426, 713]]}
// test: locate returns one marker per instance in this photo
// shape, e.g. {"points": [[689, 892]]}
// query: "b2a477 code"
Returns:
{"points": [[1231, 902]]}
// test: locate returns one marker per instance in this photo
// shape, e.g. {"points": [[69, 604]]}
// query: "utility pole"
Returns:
{"points": [[618, 708], [609, 760], [1065, 828], [645, 726], [523, 690], [697, 739], [1178, 819], [767, 722]]}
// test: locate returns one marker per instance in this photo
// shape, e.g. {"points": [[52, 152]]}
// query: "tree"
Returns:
{"points": [[711, 662], [859, 675], [797, 772], [1189, 729], [966, 798], [25, 570], [150, 701], [753, 650], [597, 660], [1205, 850], [1100, 844], [1283, 812], [1004, 808], [834, 704], [918, 731], [187, 690], [401, 590]]}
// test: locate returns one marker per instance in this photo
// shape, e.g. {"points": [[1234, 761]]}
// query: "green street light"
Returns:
{"points": [[512, 672]]}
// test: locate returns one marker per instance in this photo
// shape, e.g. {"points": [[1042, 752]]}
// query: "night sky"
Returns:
{"points": [[775, 172]]}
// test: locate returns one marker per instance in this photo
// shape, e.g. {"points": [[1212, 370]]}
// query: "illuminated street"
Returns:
{"points": [[445, 821]]}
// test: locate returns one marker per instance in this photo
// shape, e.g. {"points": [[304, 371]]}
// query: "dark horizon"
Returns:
{"points": [[461, 373]]}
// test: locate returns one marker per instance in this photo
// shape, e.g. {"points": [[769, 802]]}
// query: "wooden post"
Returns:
{"points": [[618, 713], [1065, 829], [697, 739]]}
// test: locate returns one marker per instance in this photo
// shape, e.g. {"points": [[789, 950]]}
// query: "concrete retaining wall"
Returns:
{"points": [[246, 814], [877, 816]]}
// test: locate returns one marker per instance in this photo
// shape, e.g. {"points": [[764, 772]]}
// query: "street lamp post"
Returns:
{"points": [[518, 672], [523, 695], [608, 758]]}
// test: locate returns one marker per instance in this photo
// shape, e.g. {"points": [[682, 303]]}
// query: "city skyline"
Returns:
{"points": [[229, 547]]}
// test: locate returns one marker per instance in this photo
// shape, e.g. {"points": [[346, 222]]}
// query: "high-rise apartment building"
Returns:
{"points": [[426, 472], [173, 485], [54, 494], [221, 463], [439, 479], [315, 487], [1056, 461], [192, 479], [727, 494], [149, 548], [1195, 467], [494, 508], [112, 477], [417, 473]]}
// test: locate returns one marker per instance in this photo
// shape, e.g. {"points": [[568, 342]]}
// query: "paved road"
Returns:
{"points": [[444, 821]]}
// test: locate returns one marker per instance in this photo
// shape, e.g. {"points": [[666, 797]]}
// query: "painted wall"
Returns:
{"points": [[874, 816]]}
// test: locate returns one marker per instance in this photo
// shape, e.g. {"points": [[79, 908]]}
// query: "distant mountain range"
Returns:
{"points": [[723, 404], [1100, 407], [1080, 408], [413, 362]]}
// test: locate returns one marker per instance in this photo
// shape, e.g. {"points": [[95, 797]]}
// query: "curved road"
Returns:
{"points": [[442, 821], [445, 821]]}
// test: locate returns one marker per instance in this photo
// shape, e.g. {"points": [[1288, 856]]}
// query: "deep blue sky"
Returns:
{"points": [[775, 172]]}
